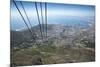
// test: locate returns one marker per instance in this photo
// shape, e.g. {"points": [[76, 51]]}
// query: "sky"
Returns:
{"points": [[56, 14]]}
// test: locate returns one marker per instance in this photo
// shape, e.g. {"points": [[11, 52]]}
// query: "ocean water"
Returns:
{"points": [[67, 20]]}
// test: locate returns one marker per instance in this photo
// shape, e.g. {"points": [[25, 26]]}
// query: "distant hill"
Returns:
{"points": [[65, 34]]}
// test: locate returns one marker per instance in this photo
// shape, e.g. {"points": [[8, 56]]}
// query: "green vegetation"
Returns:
{"points": [[50, 54], [74, 44]]}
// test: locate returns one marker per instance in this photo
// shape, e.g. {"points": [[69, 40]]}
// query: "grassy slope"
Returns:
{"points": [[51, 55]]}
